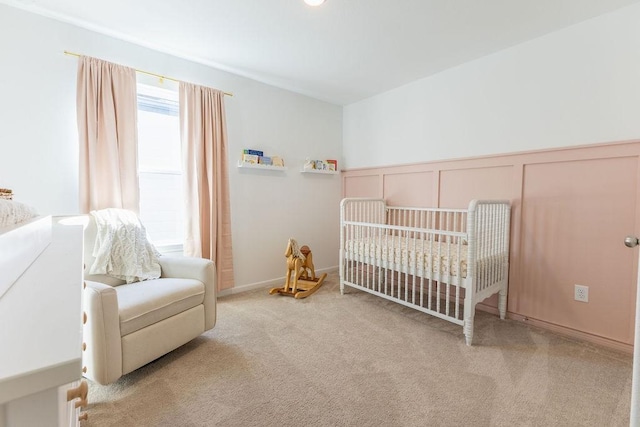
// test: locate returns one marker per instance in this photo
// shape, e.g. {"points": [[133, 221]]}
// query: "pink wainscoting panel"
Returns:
{"points": [[459, 187], [575, 216], [410, 189], [571, 209], [361, 186]]}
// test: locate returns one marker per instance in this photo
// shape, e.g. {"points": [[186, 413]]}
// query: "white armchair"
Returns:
{"points": [[130, 325]]}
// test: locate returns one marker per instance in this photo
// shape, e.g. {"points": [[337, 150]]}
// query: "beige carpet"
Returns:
{"points": [[357, 360]]}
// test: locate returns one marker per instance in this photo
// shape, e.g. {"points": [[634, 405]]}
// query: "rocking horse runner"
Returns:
{"points": [[301, 278]]}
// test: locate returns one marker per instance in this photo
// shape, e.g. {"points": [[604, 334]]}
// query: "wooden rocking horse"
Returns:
{"points": [[301, 276]]}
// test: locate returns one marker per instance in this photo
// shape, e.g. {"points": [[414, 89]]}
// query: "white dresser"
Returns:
{"points": [[41, 329]]}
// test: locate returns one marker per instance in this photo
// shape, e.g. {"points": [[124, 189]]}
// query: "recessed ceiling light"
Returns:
{"points": [[314, 2]]}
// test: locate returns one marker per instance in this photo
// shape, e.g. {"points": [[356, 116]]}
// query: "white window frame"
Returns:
{"points": [[158, 97]]}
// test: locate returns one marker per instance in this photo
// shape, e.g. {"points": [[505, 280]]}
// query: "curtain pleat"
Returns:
{"points": [[204, 155], [107, 128]]}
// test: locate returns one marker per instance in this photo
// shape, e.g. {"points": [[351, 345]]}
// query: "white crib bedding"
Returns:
{"points": [[430, 257]]}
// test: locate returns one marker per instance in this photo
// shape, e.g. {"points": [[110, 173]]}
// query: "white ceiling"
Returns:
{"points": [[342, 51]]}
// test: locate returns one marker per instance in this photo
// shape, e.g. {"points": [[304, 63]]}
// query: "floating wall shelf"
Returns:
{"points": [[325, 172], [244, 165]]}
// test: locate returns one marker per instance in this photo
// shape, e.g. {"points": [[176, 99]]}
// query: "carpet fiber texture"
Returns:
{"points": [[358, 360]]}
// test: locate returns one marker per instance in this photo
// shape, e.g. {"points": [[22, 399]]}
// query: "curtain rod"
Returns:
{"points": [[160, 76]]}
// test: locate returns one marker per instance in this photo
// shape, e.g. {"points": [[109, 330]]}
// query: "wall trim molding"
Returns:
{"points": [[499, 158], [267, 283], [561, 330]]}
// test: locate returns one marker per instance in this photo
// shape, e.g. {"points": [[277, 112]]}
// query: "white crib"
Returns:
{"points": [[438, 261]]}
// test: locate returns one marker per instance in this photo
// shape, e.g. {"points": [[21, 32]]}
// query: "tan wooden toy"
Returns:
{"points": [[301, 278]]}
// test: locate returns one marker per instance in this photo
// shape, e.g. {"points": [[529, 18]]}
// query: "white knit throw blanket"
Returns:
{"points": [[122, 249]]}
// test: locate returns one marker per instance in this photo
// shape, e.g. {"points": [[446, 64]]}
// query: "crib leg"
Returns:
{"points": [[469, 311], [468, 331], [502, 303]]}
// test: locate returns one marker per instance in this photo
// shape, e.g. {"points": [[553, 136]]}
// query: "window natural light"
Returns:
{"points": [[159, 166]]}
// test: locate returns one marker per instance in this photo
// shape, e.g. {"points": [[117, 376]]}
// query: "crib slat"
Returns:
{"points": [[391, 253], [431, 256], [449, 264], [415, 270], [424, 267], [406, 261]]}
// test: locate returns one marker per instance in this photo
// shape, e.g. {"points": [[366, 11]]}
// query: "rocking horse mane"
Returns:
{"points": [[294, 250]]}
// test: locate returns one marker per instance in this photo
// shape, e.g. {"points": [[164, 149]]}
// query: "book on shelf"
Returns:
{"points": [[250, 158], [253, 152], [257, 157], [323, 165], [264, 160]]}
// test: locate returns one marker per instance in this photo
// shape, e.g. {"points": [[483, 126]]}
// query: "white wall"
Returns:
{"points": [[580, 85], [39, 153]]}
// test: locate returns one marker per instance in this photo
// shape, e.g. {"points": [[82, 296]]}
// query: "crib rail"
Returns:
{"points": [[428, 218], [364, 210]]}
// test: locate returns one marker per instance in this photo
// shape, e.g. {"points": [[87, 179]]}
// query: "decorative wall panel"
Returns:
{"points": [[459, 187], [574, 218], [362, 186], [410, 189], [571, 209]]}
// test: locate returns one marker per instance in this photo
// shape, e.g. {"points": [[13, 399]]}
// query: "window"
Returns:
{"points": [[160, 167]]}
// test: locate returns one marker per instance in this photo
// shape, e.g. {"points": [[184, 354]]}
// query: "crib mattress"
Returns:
{"points": [[429, 257]]}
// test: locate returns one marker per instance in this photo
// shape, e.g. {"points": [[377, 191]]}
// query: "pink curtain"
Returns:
{"points": [[204, 153], [107, 127]]}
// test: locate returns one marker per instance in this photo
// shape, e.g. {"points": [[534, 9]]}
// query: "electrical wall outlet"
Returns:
{"points": [[581, 293]]}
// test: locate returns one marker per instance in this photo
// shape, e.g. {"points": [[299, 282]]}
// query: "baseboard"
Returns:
{"points": [[488, 308], [562, 330], [267, 283]]}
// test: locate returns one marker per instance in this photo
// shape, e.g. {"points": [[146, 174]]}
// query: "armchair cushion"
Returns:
{"points": [[144, 303]]}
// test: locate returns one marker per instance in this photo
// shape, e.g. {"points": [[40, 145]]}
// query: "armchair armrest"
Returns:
{"points": [[103, 354], [200, 269]]}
